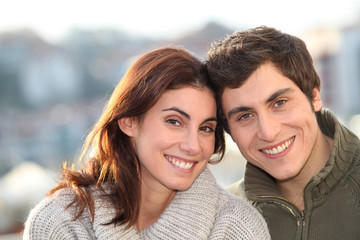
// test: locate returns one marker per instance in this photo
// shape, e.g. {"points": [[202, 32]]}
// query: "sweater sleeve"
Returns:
{"points": [[51, 219]]}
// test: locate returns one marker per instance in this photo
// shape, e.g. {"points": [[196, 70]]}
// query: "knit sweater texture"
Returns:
{"points": [[204, 211], [332, 197]]}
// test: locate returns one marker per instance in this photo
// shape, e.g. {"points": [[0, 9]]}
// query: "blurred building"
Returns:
{"points": [[336, 54]]}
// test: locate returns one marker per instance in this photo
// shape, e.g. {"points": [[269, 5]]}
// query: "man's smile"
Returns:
{"points": [[279, 148]]}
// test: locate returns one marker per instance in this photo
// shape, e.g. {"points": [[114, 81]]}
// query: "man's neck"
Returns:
{"points": [[293, 189]]}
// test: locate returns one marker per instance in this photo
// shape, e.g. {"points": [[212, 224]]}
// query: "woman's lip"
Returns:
{"points": [[180, 162]]}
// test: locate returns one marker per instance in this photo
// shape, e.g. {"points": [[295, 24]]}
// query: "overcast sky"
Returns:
{"points": [[159, 18]]}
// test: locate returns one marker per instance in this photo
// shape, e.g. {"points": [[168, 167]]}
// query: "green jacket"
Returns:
{"points": [[332, 197]]}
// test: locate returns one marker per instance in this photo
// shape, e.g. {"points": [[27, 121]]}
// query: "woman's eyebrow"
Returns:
{"points": [[211, 119], [179, 111], [176, 109]]}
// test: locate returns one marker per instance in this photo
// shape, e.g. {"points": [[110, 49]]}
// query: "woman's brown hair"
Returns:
{"points": [[114, 163]]}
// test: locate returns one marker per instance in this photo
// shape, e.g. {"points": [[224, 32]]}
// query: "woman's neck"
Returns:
{"points": [[154, 200]]}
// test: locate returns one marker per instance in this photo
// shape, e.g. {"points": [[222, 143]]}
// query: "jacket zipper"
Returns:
{"points": [[302, 212], [302, 223]]}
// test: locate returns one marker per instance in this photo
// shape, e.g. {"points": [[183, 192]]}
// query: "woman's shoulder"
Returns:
{"points": [[53, 205], [54, 216], [241, 217], [232, 204]]}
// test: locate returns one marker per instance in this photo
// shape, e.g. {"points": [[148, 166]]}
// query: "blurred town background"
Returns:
{"points": [[51, 93]]}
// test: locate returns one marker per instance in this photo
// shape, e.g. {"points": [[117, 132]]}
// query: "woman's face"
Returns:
{"points": [[175, 138]]}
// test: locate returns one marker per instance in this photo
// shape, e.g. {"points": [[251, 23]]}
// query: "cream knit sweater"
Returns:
{"points": [[204, 211]]}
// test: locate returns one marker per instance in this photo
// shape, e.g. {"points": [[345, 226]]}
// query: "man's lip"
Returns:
{"points": [[278, 150], [278, 144]]}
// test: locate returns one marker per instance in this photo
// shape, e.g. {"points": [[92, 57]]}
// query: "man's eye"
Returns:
{"points": [[173, 122], [244, 116], [279, 103]]}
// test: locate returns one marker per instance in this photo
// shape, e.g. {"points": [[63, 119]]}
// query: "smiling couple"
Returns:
{"points": [[147, 176]]}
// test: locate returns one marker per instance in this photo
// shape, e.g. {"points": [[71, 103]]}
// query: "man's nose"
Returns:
{"points": [[268, 128]]}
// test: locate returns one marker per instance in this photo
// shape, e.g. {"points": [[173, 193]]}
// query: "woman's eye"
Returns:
{"points": [[279, 103], [206, 129], [173, 122]]}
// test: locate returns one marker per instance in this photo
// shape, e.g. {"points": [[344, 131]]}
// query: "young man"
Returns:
{"points": [[303, 166]]}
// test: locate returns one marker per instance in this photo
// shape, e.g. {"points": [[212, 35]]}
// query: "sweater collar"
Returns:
{"points": [[345, 144], [191, 214]]}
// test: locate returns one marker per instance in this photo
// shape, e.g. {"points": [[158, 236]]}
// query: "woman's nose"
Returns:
{"points": [[191, 144]]}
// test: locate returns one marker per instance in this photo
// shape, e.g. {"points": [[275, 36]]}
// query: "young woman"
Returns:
{"points": [[146, 177]]}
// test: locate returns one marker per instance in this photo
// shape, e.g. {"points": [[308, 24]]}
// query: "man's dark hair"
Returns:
{"points": [[231, 61]]}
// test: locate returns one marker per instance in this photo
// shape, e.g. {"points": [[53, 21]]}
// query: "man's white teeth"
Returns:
{"points": [[279, 148], [180, 164]]}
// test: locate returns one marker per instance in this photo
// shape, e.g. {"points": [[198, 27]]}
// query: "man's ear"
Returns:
{"points": [[128, 125], [316, 100]]}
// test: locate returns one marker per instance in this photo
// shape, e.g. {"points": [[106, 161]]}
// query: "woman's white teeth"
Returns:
{"points": [[180, 164], [279, 148]]}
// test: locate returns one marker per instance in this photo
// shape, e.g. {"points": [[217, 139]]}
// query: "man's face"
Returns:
{"points": [[273, 124]]}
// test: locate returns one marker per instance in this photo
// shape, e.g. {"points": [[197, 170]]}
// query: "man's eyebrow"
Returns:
{"points": [[237, 110], [271, 98], [187, 115], [278, 93]]}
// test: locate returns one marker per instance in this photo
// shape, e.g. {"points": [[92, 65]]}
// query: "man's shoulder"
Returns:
{"points": [[237, 188]]}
